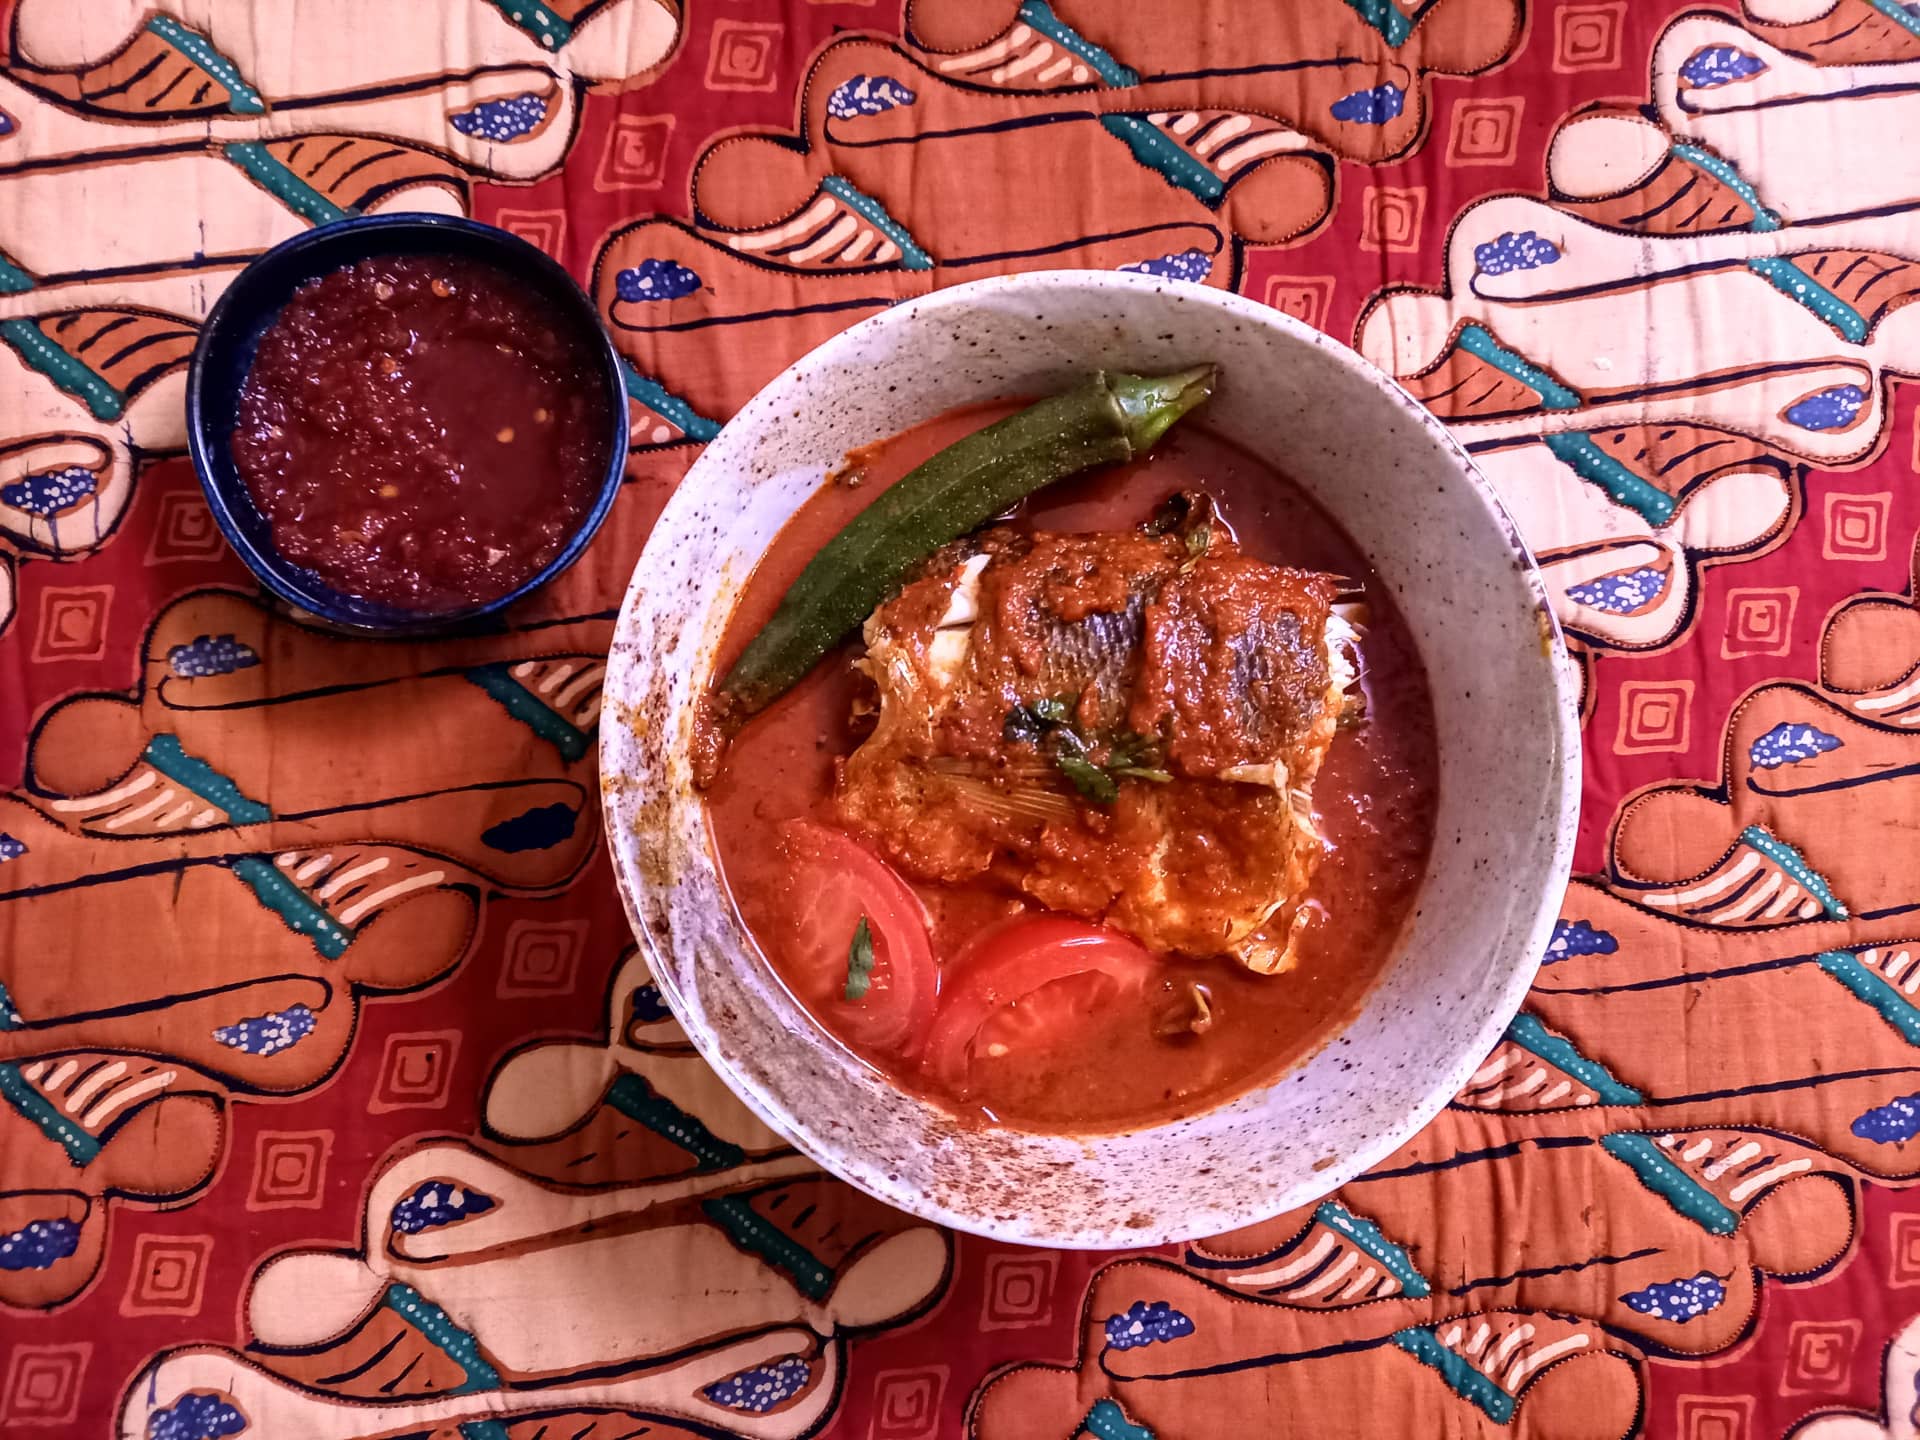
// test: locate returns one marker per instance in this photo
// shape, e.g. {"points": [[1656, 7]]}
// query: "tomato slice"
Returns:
{"points": [[1023, 984], [832, 881]]}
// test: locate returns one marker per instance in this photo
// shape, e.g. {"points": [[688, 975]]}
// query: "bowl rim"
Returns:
{"points": [[1560, 808], [512, 254]]}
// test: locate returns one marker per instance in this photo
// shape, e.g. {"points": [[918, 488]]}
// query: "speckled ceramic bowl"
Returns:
{"points": [[1509, 759]]}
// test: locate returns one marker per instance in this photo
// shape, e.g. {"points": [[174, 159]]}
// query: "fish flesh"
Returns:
{"points": [[1123, 725]]}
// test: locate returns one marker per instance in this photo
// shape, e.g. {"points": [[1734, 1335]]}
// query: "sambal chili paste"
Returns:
{"points": [[418, 433]]}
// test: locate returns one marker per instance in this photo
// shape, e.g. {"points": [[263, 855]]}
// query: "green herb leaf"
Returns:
{"points": [[860, 961], [1022, 725], [1131, 749], [1055, 709], [1199, 538], [1134, 756], [1033, 722], [1169, 515], [1086, 777]]}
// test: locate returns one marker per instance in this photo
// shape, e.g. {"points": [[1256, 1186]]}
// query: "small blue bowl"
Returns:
{"points": [[250, 305]]}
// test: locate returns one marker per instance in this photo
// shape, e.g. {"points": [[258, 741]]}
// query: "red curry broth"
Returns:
{"points": [[1373, 800]]}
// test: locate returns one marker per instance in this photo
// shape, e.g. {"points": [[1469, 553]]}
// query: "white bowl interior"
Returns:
{"points": [[1504, 702]]}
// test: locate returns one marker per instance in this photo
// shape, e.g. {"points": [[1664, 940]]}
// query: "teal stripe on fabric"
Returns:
{"points": [[1763, 218], [531, 711], [1596, 467], [1369, 1238], [242, 98], [281, 183], [753, 1232], [1461, 1377], [664, 402], [69, 374], [1162, 155], [1906, 19], [1671, 1183], [482, 1430], [1107, 1421], [19, 1092], [1794, 283], [13, 280], [437, 1326], [637, 1100], [1387, 18], [543, 24], [1040, 16], [1530, 1035], [1870, 989], [1555, 396], [166, 755], [1795, 864], [912, 257], [302, 914]]}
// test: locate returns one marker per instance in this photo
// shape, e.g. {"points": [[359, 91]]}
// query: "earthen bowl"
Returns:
{"points": [[1504, 696]]}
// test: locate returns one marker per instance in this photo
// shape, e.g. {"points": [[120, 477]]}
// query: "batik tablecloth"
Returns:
{"points": [[335, 1102]]}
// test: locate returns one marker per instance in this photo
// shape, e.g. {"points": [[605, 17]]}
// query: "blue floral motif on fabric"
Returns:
{"points": [[502, 120], [649, 1006], [760, 1389], [10, 848], [438, 1202], [1891, 1123], [655, 280], [867, 95], [195, 1416], [1146, 1323], [1187, 265], [210, 655], [39, 1245], [1624, 593], [540, 828], [1720, 65], [1572, 938], [1514, 250], [1678, 1300], [268, 1034], [1370, 107], [1831, 409], [1789, 744], [50, 493]]}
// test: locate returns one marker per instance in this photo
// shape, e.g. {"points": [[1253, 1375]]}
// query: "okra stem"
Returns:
{"points": [[1151, 403]]}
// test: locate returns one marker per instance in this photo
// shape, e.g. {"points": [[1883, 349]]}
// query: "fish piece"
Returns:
{"points": [[1124, 725]]}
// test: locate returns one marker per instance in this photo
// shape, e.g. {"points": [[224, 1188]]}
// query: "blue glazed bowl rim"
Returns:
{"points": [[250, 315]]}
